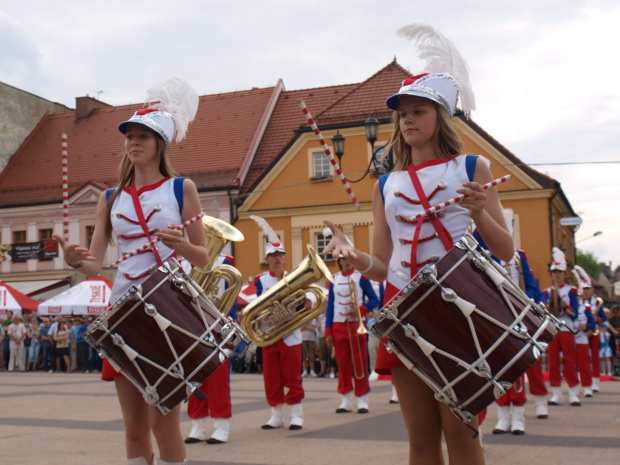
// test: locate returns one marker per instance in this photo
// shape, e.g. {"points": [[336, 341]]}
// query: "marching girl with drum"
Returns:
{"points": [[148, 203], [429, 167]]}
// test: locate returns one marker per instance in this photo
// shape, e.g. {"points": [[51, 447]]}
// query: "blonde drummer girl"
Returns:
{"points": [[429, 168], [148, 203]]}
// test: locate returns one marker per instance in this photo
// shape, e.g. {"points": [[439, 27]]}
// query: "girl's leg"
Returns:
{"points": [[136, 420], [167, 432], [422, 417], [463, 448]]}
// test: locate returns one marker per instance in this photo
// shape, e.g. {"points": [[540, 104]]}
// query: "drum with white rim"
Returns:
{"points": [[165, 336], [465, 328]]}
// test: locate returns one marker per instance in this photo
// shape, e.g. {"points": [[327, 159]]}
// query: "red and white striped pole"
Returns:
{"points": [[65, 190], [458, 198], [155, 241], [328, 152]]}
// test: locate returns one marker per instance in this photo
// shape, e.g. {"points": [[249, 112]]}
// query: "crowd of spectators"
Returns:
{"points": [[42, 343]]}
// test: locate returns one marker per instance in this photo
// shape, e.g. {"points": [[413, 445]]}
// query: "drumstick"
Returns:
{"points": [[458, 198], [155, 241], [328, 152], [65, 189]]}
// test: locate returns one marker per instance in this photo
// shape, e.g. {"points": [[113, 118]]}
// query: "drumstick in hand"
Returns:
{"points": [[155, 241], [457, 199]]}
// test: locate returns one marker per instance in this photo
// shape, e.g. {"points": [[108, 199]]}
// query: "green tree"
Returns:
{"points": [[589, 262]]}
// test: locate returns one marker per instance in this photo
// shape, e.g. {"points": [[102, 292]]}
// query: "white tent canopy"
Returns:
{"points": [[90, 297]]}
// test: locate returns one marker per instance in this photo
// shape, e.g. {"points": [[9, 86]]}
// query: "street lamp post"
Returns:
{"points": [[596, 234], [371, 126]]}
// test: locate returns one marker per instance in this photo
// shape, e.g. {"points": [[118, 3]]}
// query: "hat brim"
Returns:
{"points": [[392, 102]]}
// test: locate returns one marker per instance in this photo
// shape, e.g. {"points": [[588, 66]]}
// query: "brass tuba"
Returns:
{"points": [[361, 331], [218, 233], [281, 309]]}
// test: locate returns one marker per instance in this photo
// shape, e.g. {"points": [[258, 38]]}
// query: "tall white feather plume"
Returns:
{"points": [[262, 223], [441, 56], [581, 275], [176, 96], [557, 255]]}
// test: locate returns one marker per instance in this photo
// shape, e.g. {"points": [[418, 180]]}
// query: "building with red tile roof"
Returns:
{"points": [[252, 152]]}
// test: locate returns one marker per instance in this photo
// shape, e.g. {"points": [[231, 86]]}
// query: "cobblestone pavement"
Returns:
{"points": [[68, 419]]}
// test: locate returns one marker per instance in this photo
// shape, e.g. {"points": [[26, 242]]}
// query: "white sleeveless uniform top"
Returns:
{"points": [[439, 180], [343, 301], [159, 209]]}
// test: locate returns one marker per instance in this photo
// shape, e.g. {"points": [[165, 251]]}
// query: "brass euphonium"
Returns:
{"points": [[218, 233], [281, 309]]}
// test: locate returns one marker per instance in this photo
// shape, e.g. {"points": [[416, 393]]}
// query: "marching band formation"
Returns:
{"points": [[463, 322]]}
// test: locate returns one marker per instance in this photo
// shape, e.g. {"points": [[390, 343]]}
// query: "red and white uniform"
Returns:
{"points": [[416, 243], [281, 360], [136, 216], [217, 386], [595, 340], [350, 347], [564, 340]]}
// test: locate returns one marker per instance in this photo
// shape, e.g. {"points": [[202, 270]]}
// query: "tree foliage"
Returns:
{"points": [[590, 263]]}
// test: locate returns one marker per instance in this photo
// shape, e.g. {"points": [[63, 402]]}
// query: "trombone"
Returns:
{"points": [[361, 331]]}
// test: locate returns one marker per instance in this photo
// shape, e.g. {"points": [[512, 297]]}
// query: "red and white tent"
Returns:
{"points": [[13, 300], [90, 297]]}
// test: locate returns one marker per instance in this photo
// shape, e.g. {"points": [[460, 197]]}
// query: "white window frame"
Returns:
{"points": [[312, 169]]}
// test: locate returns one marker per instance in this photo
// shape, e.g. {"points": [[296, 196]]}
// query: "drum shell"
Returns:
{"points": [[141, 332], [442, 324]]}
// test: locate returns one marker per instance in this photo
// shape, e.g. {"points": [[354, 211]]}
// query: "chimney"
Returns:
{"points": [[84, 106]]}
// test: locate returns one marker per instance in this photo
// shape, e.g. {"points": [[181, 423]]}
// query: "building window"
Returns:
{"points": [[321, 243], [19, 237], [45, 234], [90, 230], [321, 166]]}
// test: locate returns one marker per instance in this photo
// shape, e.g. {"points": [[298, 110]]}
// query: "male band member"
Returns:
{"points": [[341, 323], [595, 306], [281, 359], [217, 389], [562, 301]]}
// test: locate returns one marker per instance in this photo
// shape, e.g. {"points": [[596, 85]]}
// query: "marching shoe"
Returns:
{"points": [[362, 404], [503, 420], [198, 432], [556, 397], [297, 417], [595, 384], [277, 418], [518, 420], [587, 391], [163, 462], [220, 434], [374, 376], [541, 407], [573, 397], [345, 403]]}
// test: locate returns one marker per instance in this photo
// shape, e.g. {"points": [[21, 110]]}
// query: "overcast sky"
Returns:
{"points": [[545, 73]]}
